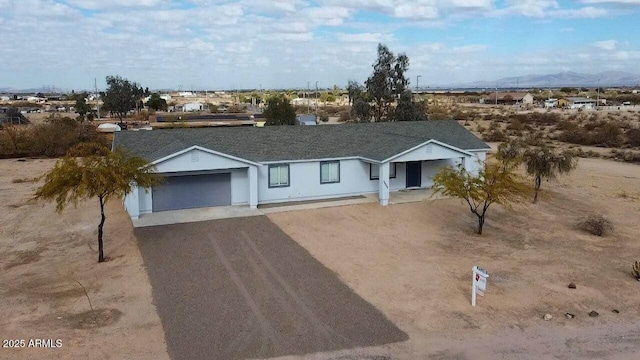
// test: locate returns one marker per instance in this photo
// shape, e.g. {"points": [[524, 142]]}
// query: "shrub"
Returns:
{"points": [[633, 137], [53, 138], [324, 118], [596, 224], [494, 135], [626, 156]]}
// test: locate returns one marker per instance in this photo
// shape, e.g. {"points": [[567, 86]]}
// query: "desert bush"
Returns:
{"points": [[566, 125], [626, 156], [494, 135], [437, 112], [596, 224], [53, 138], [344, 116], [609, 134], [515, 124], [324, 118], [633, 137]]}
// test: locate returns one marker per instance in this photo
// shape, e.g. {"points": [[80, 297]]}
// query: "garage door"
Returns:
{"points": [[193, 191]]}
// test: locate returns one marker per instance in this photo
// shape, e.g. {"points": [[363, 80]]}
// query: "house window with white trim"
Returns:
{"points": [[278, 175], [374, 171], [329, 172]]}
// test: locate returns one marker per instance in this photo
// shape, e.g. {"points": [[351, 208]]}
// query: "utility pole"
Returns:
{"points": [[95, 85], [418, 82], [598, 96], [316, 101], [308, 105]]}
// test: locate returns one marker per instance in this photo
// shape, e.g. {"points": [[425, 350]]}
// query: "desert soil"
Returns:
{"points": [[413, 262], [45, 261]]}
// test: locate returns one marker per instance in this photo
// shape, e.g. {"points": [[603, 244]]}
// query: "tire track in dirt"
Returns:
{"points": [[318, 325], [267, 330]]}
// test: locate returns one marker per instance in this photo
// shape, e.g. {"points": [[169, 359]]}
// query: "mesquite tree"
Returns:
{"points": [[495, 183], [103, 175], [543, 162]]}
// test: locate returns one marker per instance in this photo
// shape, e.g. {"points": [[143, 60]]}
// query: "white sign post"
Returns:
{"points": [[479, 285]]}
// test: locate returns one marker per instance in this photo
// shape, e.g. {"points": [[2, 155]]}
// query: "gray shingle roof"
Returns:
{"points": [[376, 141]]}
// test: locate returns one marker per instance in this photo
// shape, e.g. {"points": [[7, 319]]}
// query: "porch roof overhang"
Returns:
{"points": [[432, 141]]}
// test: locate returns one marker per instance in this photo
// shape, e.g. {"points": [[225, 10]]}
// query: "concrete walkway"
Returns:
{"points": [[228, 212]]}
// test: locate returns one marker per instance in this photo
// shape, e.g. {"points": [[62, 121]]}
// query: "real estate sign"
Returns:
{"points": [[479, 284]]}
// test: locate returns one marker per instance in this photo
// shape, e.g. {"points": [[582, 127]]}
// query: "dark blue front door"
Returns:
{"points": [[414, 174]]}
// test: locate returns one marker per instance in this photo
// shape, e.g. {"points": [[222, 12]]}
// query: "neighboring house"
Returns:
{"points": [[306, 119], [251, 165], [193, 106], [551, 103], [508, 98], [577, 103]]}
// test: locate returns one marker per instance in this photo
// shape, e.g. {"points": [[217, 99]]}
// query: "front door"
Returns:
{"points": [[414, 174]]}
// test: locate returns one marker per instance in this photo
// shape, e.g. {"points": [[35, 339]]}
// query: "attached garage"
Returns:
{"points": [[192, 191]]}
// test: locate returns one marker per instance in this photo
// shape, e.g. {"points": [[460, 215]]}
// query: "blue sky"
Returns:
{"points": [[224, 44]]}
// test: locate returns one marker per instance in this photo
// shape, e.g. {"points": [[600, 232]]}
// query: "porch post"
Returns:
{"points": [[383, 184], [253, 186]]}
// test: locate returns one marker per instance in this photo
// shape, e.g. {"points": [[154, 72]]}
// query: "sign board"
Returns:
{"points": [[479, 283]]}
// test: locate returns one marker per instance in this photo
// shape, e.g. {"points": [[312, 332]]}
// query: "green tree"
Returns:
{"points": [[361, 110], [543, 162], [279, 111], [156, 102], [82, 108], [102, 174], [121, 96], [387, 82], [495, 183], [510, 152], [407, 109], [355, 91]]}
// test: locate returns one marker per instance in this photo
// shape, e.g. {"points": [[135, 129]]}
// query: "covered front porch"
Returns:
{"points": [[416, 168]]}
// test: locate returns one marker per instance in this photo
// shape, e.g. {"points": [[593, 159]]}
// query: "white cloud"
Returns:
{"points": [[606, 45], [611, 2], [115, 4], [365, 37], [235, 43], [585, 12]]}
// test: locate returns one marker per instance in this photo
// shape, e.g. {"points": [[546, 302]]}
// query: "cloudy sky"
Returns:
{"points": [[224, 44]]}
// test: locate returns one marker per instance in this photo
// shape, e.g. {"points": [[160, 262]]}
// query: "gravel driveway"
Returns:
{"points": [[241, 288]]}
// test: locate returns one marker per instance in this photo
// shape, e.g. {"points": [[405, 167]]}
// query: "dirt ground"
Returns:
{"points": [[413, 262], [47, 261]]}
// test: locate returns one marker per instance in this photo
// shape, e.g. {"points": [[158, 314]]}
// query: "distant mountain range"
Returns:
{"points": [[567, 78]]}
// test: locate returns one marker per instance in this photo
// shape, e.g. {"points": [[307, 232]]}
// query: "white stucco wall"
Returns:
{"points": [[304, 182], [474, 163], [239, 187]]}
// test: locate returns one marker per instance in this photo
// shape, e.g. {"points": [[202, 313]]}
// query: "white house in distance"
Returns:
{"points": [[251, 166], [193, 106], [578, 103]]}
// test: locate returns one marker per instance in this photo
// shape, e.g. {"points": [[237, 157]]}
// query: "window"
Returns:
{"points": [[374, 171], [278, 175], [329, 172]]}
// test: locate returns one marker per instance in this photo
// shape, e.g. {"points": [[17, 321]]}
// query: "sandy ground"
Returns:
{"points": [[43, 258], [413, 262]]}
